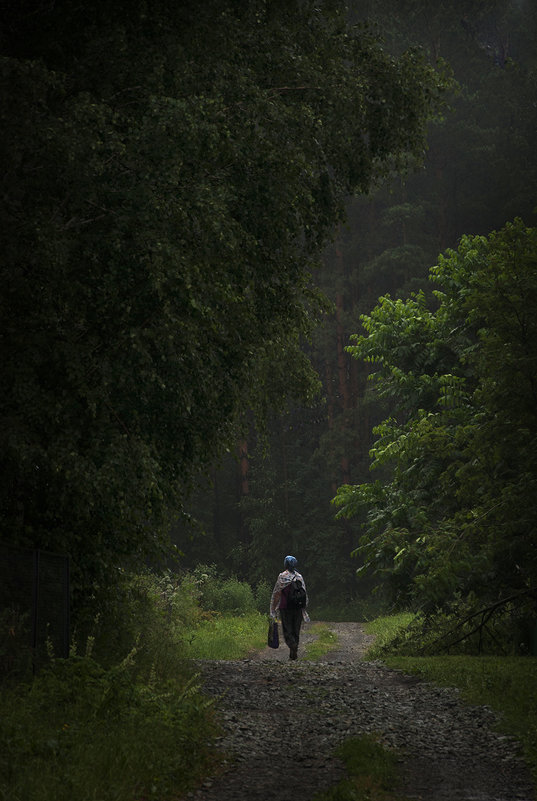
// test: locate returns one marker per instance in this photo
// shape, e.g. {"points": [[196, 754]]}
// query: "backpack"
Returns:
{"points": [[296, 596]]}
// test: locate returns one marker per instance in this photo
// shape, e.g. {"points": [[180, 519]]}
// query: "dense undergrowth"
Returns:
{"points": [[358, 609], [124, 717]]}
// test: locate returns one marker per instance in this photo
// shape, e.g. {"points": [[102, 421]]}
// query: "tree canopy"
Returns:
{"points": [[479, 170], [453, 512], [171, 173]]}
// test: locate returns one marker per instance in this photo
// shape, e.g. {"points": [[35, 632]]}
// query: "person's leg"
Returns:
{"points": [[288, 619], [296, 624]]}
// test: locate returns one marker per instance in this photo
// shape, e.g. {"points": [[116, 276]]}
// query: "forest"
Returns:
{"points": [[269, 288], [409, 480], [269, 279]]}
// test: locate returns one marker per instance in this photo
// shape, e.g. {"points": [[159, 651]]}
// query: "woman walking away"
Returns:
{"points": [[290, 598]]}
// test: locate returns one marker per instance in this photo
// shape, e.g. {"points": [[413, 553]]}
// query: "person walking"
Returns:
{"points": [[290, 599]]}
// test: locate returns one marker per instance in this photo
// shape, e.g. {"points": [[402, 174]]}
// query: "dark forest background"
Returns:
{"points": [[175, 346], [479, 171], [269, 286]]}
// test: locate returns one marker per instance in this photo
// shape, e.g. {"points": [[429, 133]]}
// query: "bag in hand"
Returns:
{"points": [[273, 639]]}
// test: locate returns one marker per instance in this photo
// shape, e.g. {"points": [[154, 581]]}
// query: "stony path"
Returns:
{"points": [[283, 719]]}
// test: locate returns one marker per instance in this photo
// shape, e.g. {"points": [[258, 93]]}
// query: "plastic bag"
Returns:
{"points": [[273, 638]]}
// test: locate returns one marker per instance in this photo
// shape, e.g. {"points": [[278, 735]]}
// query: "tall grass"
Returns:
{"points": [[124, 720], [226, 637], [82, 732], [385, 630]]}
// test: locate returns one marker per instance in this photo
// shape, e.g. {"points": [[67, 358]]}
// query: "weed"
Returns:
{"points": [[372, 772], [326, 641], [82, 731], [225, 595], [126, 719]]}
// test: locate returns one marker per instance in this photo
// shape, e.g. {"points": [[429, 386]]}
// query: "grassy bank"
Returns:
{"points": [[124, 717], [506, 684], [226, 637], [81, 732], [385, 630]]}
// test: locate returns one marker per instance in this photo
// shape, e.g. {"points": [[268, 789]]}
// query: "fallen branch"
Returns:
{"points": [[485, 613]]}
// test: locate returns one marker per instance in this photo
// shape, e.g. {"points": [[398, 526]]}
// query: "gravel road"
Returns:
{"points": [[282, 721]]}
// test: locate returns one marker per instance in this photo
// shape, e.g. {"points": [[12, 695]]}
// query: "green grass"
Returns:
{"points": [[326, 641], [372, 772], [386, 629], [79, 731], [226, 637]]}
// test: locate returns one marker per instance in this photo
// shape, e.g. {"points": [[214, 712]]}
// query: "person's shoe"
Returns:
{"points": [[293, 653]]}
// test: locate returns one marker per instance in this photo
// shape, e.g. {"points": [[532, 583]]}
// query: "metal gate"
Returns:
{"points": [[34, 608]]}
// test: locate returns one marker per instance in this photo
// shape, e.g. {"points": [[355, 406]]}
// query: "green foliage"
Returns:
{"points": [[228, 596], [74, 731], [452, 516], [170, 179], [226, 637], [372, 772], [223, 595], [146, 609], [480, 169]]}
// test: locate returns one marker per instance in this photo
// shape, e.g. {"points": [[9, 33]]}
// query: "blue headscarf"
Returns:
{"points": [[290, 563]]}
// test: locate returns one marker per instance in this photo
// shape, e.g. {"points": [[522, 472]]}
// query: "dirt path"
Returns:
{"points": [[283, 719]]}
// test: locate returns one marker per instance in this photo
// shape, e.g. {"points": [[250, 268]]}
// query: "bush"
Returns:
{"points": [[224, 595], [228, 596], [135, 729], [146, 609], [263, 593]]}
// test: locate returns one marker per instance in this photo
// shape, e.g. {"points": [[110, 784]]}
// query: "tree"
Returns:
{"points": [[171, 174], [453, 513]]}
